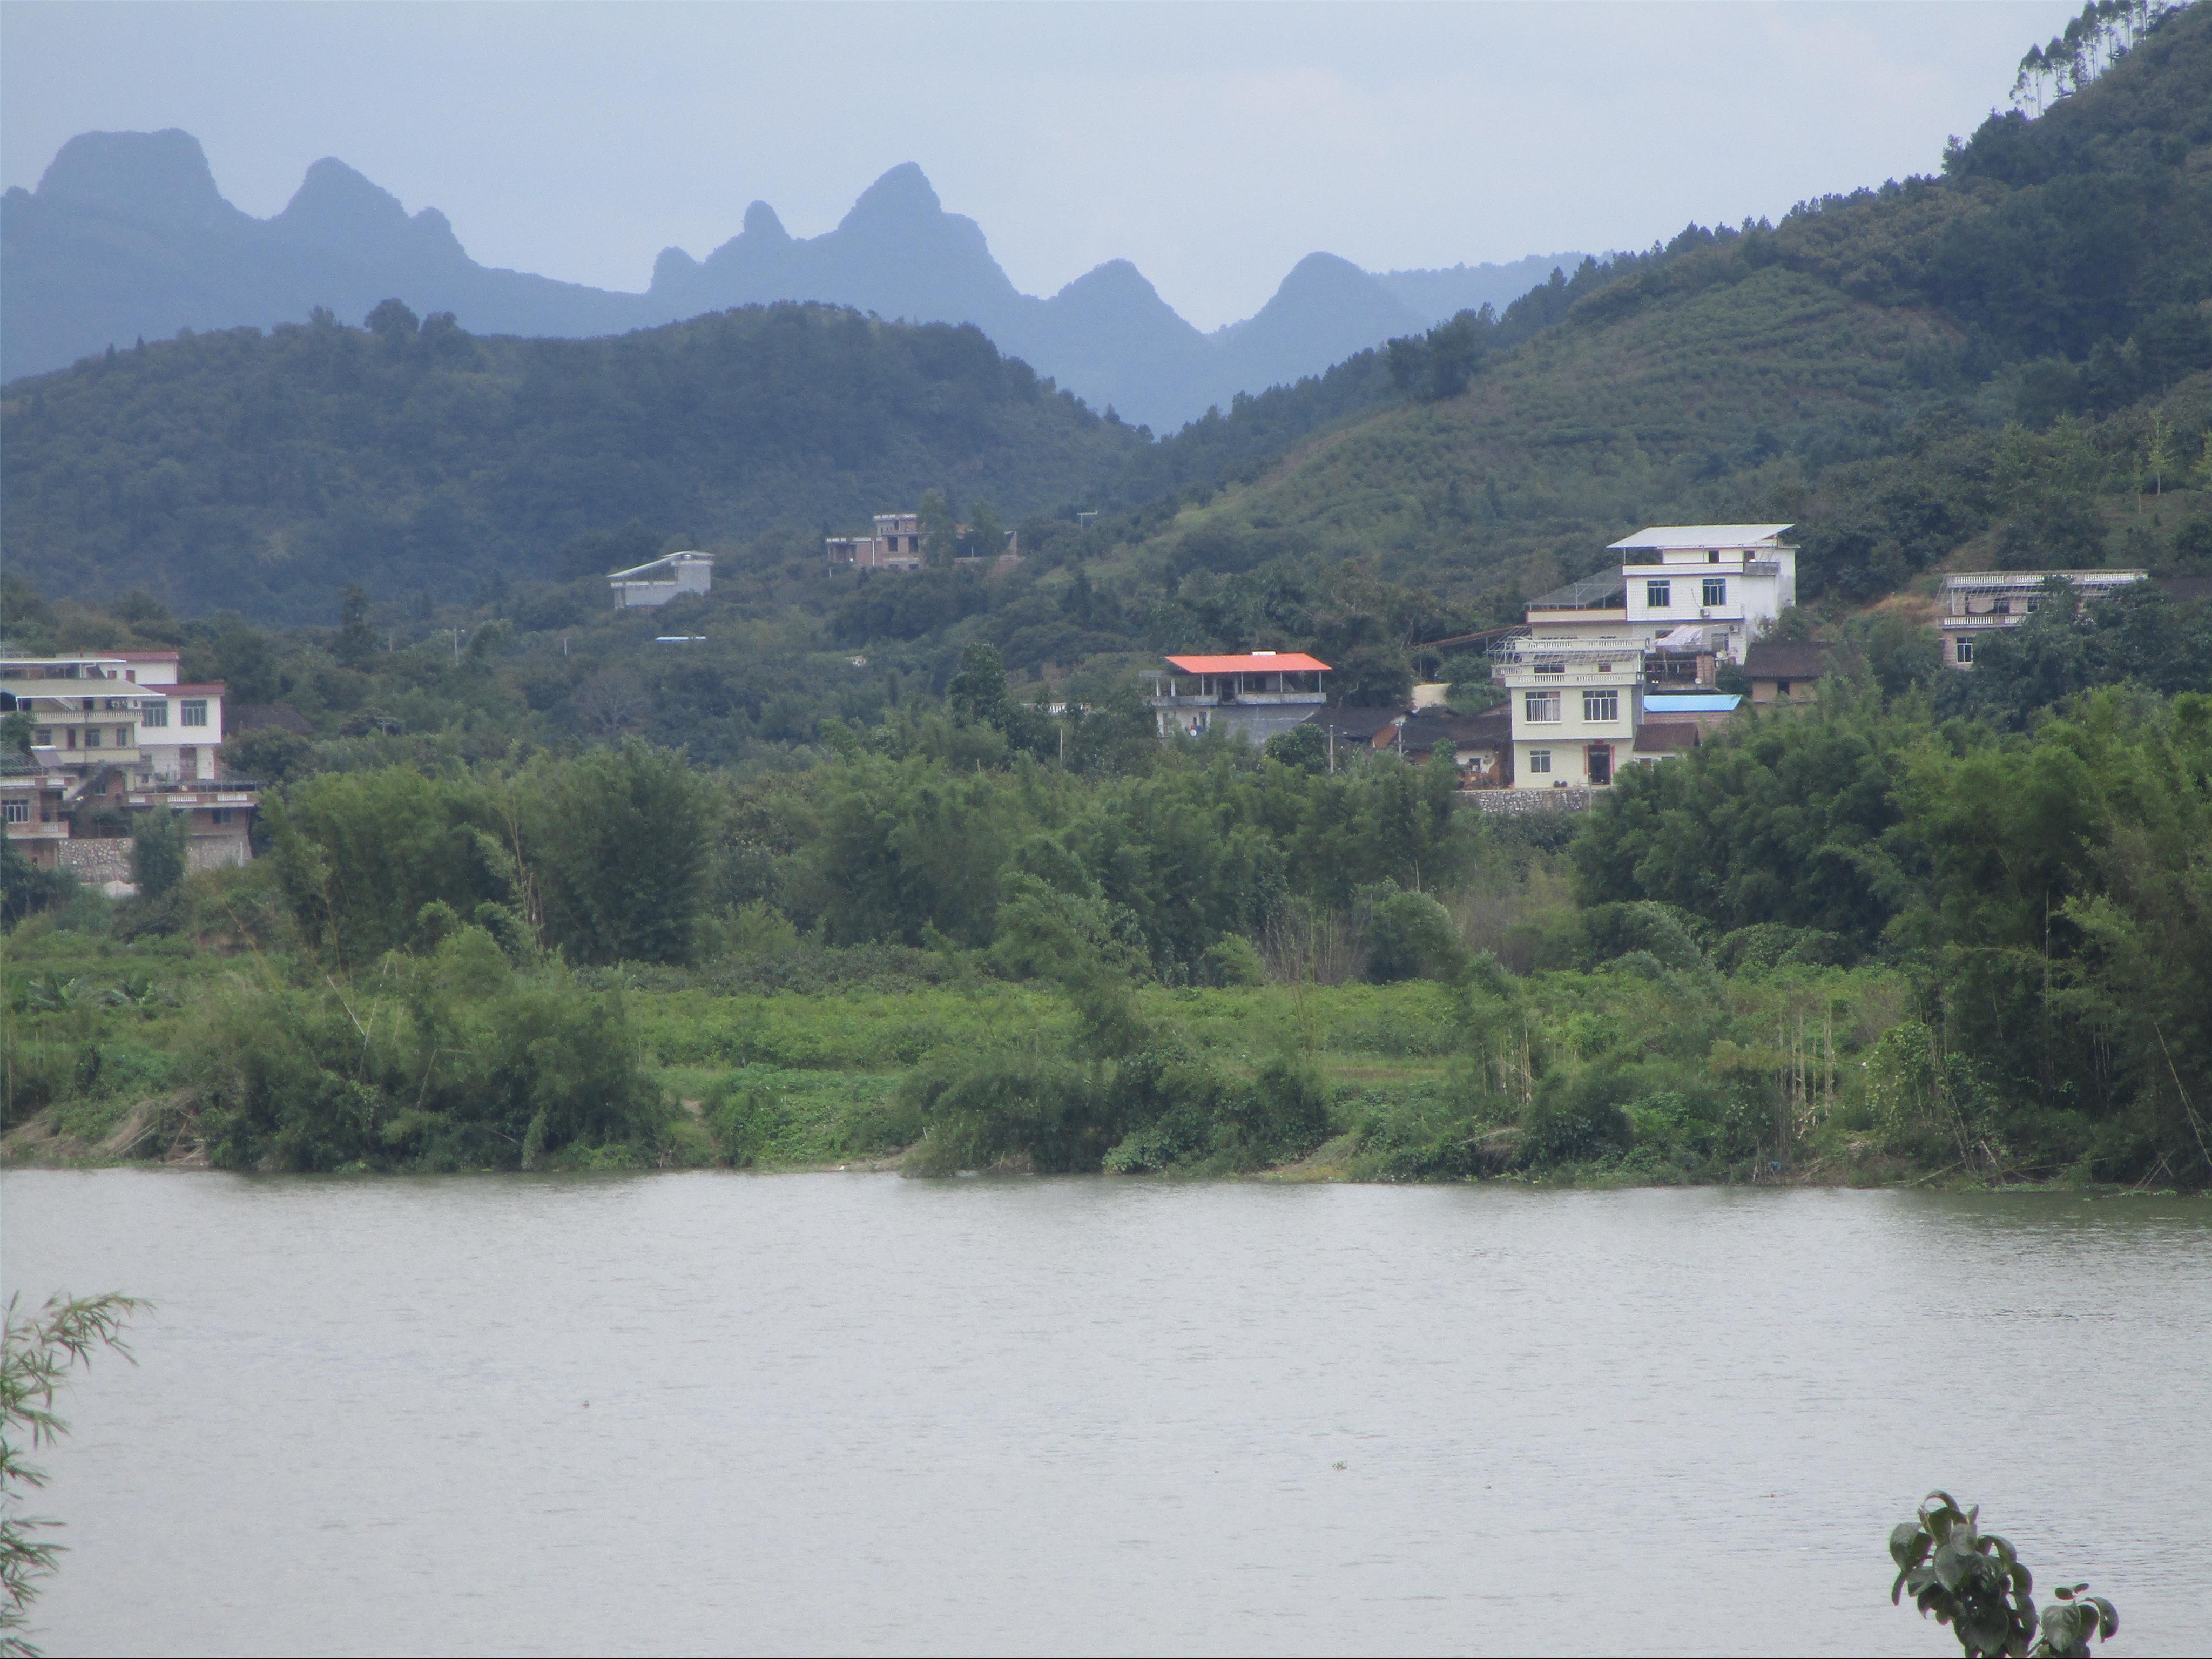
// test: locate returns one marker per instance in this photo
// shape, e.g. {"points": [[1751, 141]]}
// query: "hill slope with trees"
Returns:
{"points": [[260, 471], [1851, 368]]}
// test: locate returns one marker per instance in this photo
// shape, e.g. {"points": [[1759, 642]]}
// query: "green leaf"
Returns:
{"points": [[2108, 1617], [1908, 1544], [1954, 1568], [2023, 1582]]}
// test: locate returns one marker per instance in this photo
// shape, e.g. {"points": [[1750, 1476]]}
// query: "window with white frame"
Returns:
{"points": [[1539, 759], [1600, 705], [192, 711], [1965, 651], [154, 712], [1541, 707], [91, 737], [1715, 591], [1658, 595], [1551, 664], [19, 811], [122, 737]]}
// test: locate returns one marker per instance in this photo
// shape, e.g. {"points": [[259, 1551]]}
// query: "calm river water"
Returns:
{"points": [[847, 1412]]}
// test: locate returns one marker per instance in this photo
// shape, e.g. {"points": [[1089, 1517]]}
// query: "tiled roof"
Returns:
{"points": [[1356, 725], [1430, 727], [1664, 736], [1767, 661]]}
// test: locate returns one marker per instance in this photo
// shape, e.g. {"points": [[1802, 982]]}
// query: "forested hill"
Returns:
{"points": [[260, 471], [1851, 370]]}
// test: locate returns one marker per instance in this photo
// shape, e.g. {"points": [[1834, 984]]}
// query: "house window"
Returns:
{"points": [[91, 737], [1782, 688], [219, 815], [1713, 557], [1539, 759], [192, 711], [1541, 707], [1551, 665], [19, 811], [154, 714], [1658, 595], [1965, 651], [1716, 590], [43, 737], [1600, 705], [69, 733], [122, 737], [2031, 603]]}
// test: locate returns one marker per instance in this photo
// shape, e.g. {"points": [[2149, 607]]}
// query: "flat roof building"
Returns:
{"points": [[659, 580], [1256, 694]]}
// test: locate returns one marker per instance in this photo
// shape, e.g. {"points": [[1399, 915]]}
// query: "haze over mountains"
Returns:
{"points": [[128, 236]]}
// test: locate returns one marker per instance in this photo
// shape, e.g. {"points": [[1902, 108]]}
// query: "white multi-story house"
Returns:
{"points": [[1978, 602], [117, 731], [180, 727], [1727, 581], [1703, 588], [1576, 703]]}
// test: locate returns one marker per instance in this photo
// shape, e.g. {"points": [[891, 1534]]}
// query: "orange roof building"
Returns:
{"points": [[1255, 694]]}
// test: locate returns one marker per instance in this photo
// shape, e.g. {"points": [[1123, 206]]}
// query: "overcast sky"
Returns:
{"points": [[1212, 145]]}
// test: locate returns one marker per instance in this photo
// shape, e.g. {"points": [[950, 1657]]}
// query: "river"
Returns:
{"points": [[856, 1414]]}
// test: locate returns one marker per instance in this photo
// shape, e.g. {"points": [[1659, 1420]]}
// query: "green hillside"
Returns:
{"points": [[1853, 368], [259, 472]]}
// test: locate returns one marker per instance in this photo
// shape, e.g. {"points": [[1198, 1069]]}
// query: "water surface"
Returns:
{"points": [[847, 1412]]}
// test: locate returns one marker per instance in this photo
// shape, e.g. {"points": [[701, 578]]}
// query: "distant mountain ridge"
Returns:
{"points": [[128, 236]]}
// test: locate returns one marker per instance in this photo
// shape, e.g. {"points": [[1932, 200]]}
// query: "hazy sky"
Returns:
{"points": [[1214, 145]]}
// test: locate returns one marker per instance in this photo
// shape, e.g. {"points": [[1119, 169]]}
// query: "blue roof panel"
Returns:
{"points": [[1692, 703]]}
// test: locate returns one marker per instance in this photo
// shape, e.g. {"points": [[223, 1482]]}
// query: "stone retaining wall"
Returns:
{"points": [[97, 861], [1512, 802]]}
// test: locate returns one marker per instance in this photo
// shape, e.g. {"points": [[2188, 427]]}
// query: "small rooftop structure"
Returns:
{"points": [[1606, 591], [659, 580]]}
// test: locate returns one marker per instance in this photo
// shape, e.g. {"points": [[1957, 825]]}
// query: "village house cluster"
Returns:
{"points": [[114, 735], [1616, 670]]}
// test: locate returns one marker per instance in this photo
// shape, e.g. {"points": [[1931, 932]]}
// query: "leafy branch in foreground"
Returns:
{"points": [[1972, 1581], [36, 1355]]}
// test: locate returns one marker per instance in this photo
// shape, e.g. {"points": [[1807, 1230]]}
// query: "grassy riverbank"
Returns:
{"points": [[124, 1049]]}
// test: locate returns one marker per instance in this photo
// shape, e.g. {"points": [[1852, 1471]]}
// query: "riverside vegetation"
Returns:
{"points": [[887, 898], [1937, 928]]}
